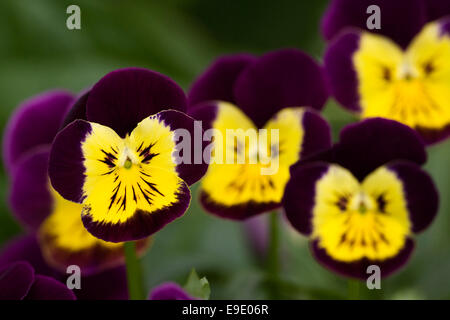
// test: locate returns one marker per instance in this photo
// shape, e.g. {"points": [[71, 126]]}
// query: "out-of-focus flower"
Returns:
{"points": [[119, 162], [169, 291], [62, 236], [361, 202], [246, 93], [18, 281], [109, 284], [401, 71]]}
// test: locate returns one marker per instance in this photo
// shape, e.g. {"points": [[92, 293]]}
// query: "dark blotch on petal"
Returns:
{"points": [[421, 194], [30, 198], [217, 82], [66, 169], [280, 79], [123, 98], [358, 269], [401, 20], [299, 195], [169, 291]]}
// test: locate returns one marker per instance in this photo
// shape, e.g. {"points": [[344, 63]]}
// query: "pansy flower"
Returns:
{"points": [[119, 158], [279, 92], [400, 71], [18, 281], [35, 204], [362, 202], [108, 284]]}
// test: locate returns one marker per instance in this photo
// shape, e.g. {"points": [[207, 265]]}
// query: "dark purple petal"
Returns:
{"points": [[190, 170], [437, 9], [107, 285], [66, 169], [122, 98], [317, 134], [420, 192], [431, 136], [299, 195], [29, 197], [371, 143], [217, 82], [206, 113], [401, 20], [46, 288], [77, 110], [358, 269], [142, 224], [340, 70], [16, 280], [237, 212], [280, 79], [34, 123], [169, 291]]}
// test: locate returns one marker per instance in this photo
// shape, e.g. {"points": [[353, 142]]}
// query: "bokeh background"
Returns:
{"points": [[180, 38]]}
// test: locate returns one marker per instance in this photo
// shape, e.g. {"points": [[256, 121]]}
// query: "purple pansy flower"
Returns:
{"points": [[362, 202], [109, 284], [246, 93], [18, 281], [169, 291], [117, 158], [37, 206], [400, 71]]}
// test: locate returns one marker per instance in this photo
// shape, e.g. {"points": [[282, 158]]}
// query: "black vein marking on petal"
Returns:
{"points": [[109, 158], [113, 197], [146, 197], [152, 186], [134, 194], [124, 201], [381, 202], [342, 203], [146, 153]]}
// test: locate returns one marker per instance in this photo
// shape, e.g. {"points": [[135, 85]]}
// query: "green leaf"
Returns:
{"points": [[197, 287]]}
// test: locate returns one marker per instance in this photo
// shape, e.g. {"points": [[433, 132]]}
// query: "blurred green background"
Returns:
{"points": [[180, 38]]}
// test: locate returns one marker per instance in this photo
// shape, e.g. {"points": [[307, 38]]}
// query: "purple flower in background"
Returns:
{"points": [[18, 281], [400, 71], [246, 93], [362, 202], [118, 161], [109, 284], [35, 204], [169, 291]]}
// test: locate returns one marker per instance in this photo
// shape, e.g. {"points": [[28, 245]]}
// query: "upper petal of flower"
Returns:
{"points": [[437, 9], [277, 80], [34, 123], [401, 20], [371, 143], [217, 82], [47, 288], [123, 98]]}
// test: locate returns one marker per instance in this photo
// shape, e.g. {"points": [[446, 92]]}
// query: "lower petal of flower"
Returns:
{"points": [[353, 220]]}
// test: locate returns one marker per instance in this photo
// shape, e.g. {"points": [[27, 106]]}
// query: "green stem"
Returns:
{"points": [[353, 289], [273, 256], [134, 272]]}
